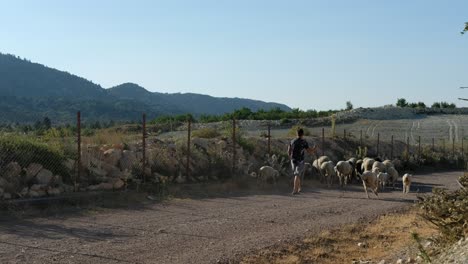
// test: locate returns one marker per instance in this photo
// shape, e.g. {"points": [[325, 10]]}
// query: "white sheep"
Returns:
{"points": [[392, 176], [327, 169], [358, 166], [379, 165], [407, 179], [317, 164], [382, 179], [344, 171], [367, 164], [369, 180], [388, 164], [267, 174]]}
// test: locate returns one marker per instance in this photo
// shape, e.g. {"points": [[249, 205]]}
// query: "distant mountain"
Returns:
{"points": [[29, 91]]}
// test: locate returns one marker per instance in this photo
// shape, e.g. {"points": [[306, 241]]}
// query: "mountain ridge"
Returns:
{"points": [[34, 87]]}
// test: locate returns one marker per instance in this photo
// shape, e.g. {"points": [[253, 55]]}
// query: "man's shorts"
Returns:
{"points": [[298, 168]]}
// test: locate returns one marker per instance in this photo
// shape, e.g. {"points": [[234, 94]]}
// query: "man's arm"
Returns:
{"points": [[289, 151]]}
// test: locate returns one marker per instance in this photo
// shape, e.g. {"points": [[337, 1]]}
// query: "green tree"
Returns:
{"points": [[436, 105], [421, 105], [401, 102], [465, 29], [349, 105]]}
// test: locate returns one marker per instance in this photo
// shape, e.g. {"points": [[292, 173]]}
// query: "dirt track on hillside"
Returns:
{"points": [[210, 230]]}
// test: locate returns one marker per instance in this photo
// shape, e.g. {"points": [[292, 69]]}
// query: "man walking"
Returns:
{"points": [[296, 154]]}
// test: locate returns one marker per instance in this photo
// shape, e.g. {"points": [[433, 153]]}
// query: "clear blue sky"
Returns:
{"points": [[307, 54]]}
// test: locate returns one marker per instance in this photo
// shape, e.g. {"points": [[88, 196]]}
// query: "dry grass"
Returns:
{"points": [[387, 234], [110, 137]]}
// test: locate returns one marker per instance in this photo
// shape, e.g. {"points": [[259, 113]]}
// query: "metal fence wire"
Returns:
{"points": [[72, 159]]}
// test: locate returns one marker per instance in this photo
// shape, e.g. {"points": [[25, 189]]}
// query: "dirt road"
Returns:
{"points": [[196, 230]]}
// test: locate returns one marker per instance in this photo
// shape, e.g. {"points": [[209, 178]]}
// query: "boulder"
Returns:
{"points": [[12, 171], [128, 160], [7, 196], [101, 186], [38, 187], [53, 191], [112, 156], [24, 192], [44, 177], [119, 184], [180, 179], [32, 170], [69, 164], [37, 194], [1, 192], [66, 188], [98, 172], [111, 171]]}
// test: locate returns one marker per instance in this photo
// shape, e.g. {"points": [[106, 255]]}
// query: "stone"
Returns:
{"points": [[44, 177], [382, 261], [32, 170], [67, 188], [119, 184], [53, 191], [112, 156], [106, 186], [37, 194], [362, 245], [24, 192], [1, 191], [7, 196], [12, 171], [111, 171], [38, 187], [180, 179], [98, 172], [128, 160], [69, 164], [399, 261]]}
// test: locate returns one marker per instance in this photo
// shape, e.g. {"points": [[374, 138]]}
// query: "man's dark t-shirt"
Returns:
{"points": [[298, 146]]}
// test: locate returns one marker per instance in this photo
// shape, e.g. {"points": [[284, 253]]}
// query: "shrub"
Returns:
{"points": [[206, 133], [26, 151], [448, 211]]}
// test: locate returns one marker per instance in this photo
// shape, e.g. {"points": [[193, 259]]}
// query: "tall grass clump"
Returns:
{"points": [[207, 132]]}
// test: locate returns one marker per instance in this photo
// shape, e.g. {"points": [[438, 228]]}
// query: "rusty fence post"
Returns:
{"points": [[143, 139], [78, 135], [391, 149], [269, 139], [462, 148], [443, 145], [433, 145], [344, 135], [233, 144], [323, 141], [189, 137]]}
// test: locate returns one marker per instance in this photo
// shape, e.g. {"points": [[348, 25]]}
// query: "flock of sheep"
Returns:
{"points": [[375, 174]]}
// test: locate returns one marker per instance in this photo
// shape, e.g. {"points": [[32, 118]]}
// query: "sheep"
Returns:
{"points": [[358, 168], [344, 171], [367, 164], [317, 165], [266, 174], [369, 180], [397, 164], [379, 165], [382, 180], [388, 164], [392, 176], [328, 171], [407, 179], [353, 162]]}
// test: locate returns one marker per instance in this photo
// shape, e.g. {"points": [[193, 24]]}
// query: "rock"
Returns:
{"points": [[38, 187], [7, 196], [119, 184], [57, 180], [32, 170], [111, 171], [37, 194], [44, 177], [382, 261], [53, 191], [128, 160], [419, 259], [399, 261], [69, 164], [1, 192], [12, 171], [362, 244], [24, 192], [112, 156], [67, 188], [106, 186], [180, 179], [3, 183], [93, 187], [410, 260], [98, 172]]}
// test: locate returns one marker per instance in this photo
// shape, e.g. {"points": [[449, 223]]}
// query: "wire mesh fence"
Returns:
{"points": [[72, 158]]}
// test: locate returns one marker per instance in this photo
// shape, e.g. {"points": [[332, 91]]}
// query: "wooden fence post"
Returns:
{"points": [[189, 145], [233, 144], [269, 139], [378, 144], [391, 150], [407, 149], [78, 134], [144, 147], [323, 141]]}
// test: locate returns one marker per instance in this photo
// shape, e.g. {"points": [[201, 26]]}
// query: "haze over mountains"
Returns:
{"points": [[30, 91]]}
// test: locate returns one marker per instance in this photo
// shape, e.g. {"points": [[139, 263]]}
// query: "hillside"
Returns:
{"points": [[29, 91]]}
